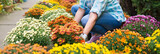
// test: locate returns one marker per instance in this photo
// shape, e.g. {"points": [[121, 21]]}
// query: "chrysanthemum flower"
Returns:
{"points": [[66, 28], [123, 40]]}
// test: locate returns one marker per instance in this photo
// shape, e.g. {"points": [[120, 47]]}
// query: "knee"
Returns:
{"points": [[74, 7], [99, 29], [84, 21]]}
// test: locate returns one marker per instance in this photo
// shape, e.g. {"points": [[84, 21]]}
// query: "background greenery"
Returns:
{"points": [[146, 7], [6, 2]]}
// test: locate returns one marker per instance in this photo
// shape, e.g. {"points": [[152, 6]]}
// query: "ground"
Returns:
{"points": [[8, 21]]}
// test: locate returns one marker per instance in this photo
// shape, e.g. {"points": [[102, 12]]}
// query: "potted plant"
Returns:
{"points": [[1, 7], [8, 5]]}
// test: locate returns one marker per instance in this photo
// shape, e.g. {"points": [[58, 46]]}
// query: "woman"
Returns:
{"points": [[98, 17]]}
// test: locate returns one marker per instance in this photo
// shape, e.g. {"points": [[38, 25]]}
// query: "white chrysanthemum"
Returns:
{"points": [[52, 14], [29, 30]]}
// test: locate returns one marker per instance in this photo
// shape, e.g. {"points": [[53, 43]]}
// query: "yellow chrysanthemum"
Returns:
{"points": [[80, 48], [127, 49], [156, 32], [155, 41], [52, 1], [1, 7], [155, 49], [56, 7], [55, 45], [35, 53], [157, 45], [41, 6], [148, 39]]}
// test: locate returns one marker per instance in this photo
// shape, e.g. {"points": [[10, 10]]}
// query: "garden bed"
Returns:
{"points": [[50, 23]]}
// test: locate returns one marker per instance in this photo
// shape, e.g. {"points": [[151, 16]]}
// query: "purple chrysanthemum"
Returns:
{"points": [[145, 25]]}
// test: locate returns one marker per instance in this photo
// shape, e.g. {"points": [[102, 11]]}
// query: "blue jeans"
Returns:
{"points": [[103, 24]]}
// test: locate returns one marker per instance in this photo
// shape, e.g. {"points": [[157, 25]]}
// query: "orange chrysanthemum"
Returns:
{"points": [[119, 39], [35, 12], [66, 28], [22, 48]]}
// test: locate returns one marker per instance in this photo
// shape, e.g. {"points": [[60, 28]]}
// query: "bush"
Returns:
{"points": [[24, 49], [67, 4], [29, 30], [153, 43], [56, 7], [6, 2], [145, 25], [53, 2], [52, 14], [40, 6], [124, 41], [46, 4], [78, 48], [146, 7], [34, 13], [65, 30]]}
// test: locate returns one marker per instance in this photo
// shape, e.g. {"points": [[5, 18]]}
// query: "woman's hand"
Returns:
{"points": [[79, 15]]}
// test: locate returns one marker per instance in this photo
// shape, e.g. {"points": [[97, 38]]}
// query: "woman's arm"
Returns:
{"points": [[79, 15], [91, 22]]}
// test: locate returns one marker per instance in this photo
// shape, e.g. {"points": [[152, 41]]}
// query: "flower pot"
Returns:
{"points": [[24, 0], [8, 8]]}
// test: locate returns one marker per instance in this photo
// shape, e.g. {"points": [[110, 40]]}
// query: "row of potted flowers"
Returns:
{"points": [[76, 48], [118, 41], [47, 5], [8, 5], [19, 1], [33, 29], [51, 23]]}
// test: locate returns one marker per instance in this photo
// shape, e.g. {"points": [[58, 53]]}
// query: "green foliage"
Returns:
{"points": [[147, 7], [6, 2]]}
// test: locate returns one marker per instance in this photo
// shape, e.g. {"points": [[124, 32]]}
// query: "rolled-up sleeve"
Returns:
{"points": [[82, 4], [99, 6]]}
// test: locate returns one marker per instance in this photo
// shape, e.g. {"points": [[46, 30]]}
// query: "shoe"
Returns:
{"points": [[94, 38]]}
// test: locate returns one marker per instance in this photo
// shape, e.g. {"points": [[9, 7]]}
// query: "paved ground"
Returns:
{"points": [[8, 21]]}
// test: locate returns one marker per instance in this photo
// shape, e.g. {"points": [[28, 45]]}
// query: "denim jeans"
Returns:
{"points": [[103, 24]]}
